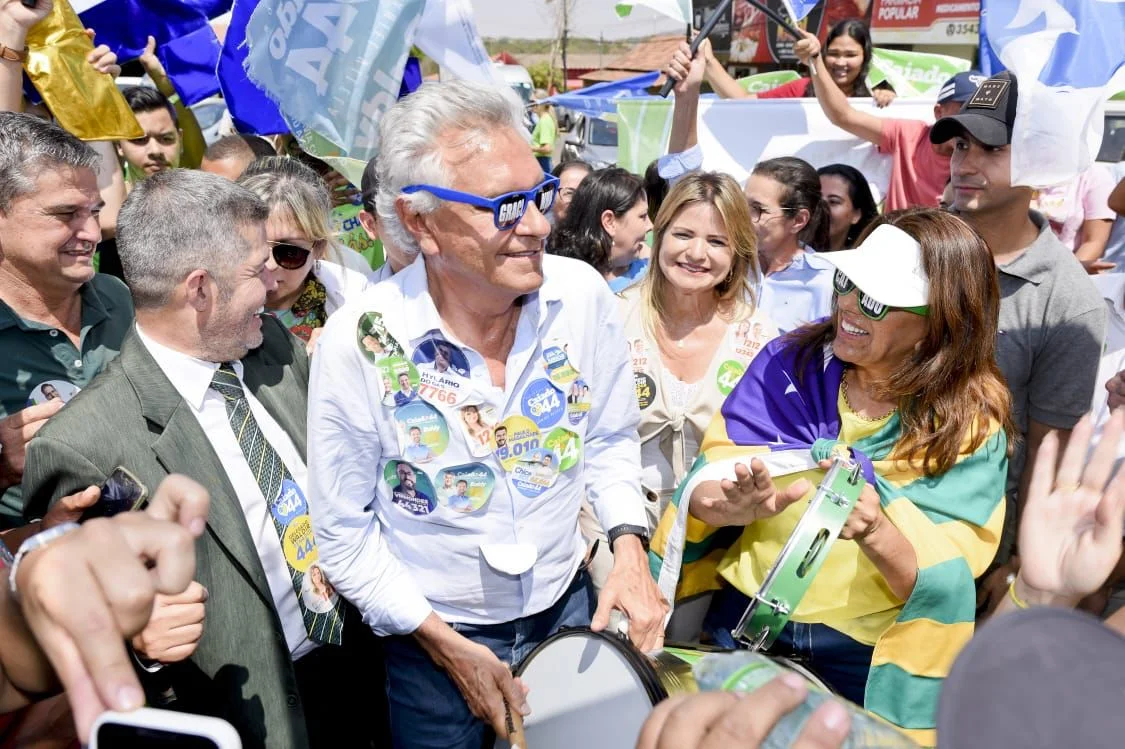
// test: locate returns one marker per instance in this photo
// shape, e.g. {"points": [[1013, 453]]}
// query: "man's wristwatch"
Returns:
{"points": [[30, 544], [618, 531], [13, 55]]}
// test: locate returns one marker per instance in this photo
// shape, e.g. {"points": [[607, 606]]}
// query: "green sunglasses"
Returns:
{"points": [[870, 308]]}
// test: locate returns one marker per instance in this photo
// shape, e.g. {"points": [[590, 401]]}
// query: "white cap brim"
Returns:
{"points": [[887, 267]]}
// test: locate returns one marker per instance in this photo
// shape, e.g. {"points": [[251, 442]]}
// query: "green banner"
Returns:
{"points": [[913, 73], [756, 84], [643, 127]]}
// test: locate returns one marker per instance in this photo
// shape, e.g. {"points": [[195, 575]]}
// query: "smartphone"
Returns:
{"points": [[121, 492], [149, 727]]}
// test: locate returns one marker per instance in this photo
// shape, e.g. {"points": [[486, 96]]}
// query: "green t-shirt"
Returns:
{"points": [[545, 131], [40, 362]]}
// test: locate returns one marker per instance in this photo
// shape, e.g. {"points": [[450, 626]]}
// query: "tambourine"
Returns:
{"points": [[802, 555]]}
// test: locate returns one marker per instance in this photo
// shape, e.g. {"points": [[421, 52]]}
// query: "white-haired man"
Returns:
{"points": [[463, 595]]}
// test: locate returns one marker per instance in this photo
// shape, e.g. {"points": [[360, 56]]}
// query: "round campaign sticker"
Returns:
{"points": [[566, 445], [422, 431], [442, 389], [557, 363], [298, 543], [646, 389], [374, 341], [317, 593], [638, 352], [542, 403], [51, 390], [578, 401], [513, 437], [290, 503], [398, 380], [410, 488], [441, 356], [730, 372], [477, 422], [466, 488], [536, 472]]}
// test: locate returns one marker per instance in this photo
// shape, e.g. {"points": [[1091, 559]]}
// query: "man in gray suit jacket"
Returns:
{"points": [[208, 387]]}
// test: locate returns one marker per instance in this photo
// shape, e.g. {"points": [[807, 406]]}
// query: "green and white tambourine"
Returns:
{"points": [[802, 555]]}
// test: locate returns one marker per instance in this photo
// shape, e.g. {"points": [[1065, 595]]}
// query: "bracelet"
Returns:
{"points": [[1019, 602], [30, 544]]}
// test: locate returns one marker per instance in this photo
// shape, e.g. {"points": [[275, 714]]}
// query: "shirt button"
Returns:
{"points": [[78, 363], [54, 333], [291, 700]]}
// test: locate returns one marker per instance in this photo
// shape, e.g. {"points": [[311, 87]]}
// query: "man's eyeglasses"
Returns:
{"points": [[507, 209], [870, 308], [290, 256], [760, 212]]}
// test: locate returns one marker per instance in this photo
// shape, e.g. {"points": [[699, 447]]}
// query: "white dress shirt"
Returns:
{"points": [[192, 379], [1112, 288], [397, 567]]}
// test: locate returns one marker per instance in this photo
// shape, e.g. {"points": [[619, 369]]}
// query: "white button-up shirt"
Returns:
{"points": [[516, 554], [191, 378]]}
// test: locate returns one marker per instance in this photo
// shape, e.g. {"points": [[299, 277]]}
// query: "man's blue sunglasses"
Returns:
{"points": [[507, 209]]}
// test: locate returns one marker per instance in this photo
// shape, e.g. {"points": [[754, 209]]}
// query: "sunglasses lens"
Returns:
{"points": [[873, 309], [842, 283], [510, 211], [290, 256], [546, 198]]}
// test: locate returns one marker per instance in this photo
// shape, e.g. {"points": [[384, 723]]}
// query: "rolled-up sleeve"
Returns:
{"points": [[344, 454], [673, 166], [613, 447]]}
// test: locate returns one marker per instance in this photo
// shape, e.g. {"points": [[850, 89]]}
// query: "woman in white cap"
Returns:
{"points": [[902, 378]]}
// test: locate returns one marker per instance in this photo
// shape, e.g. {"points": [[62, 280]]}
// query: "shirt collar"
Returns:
{"points": [[1038, 261], [190, 376], [95, 309]]}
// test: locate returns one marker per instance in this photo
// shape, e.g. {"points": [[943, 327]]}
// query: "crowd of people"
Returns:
{"points": [[554, 381]]}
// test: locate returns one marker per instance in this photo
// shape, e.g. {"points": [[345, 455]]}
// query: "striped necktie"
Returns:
{"points": [[319, 604]]}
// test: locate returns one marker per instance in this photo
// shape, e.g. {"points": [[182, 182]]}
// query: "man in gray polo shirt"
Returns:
{"points": [[1052, 319]]}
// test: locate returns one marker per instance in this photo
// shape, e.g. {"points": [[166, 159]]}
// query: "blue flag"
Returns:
{"points": [[798, 9], [601, 98], [251, 110], [1063, 82], [125, 25], [190, 63]]}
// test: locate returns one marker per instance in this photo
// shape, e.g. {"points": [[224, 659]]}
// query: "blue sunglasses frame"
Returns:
{"points": [[497, 204]]}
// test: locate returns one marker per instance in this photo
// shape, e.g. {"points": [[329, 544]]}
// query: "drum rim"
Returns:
{"points": [[640, 662]]}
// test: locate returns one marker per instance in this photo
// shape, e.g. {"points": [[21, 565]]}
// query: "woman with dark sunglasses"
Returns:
{"points": [[309, 287], [901, 378]]}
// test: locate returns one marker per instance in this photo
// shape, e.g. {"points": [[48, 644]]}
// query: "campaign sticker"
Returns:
{"points": [[299, 544], [645, 388], [566, 445], [290, 503], [442, 389], [557, 363], [638, 352], [578, 401], [439, 355], [513, 437], [535, 473], [410, 488], [375, 342], [477, 423], [422, 432], [466, 488], [317, 593], [542, 403], [730, 372], [398, 380], [749, 337], [52, 390]]}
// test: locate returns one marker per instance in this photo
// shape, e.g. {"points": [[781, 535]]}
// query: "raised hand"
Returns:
{"points": [[749, 497]]}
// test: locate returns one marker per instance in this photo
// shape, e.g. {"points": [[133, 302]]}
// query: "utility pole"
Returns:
{"points": [[565, 29]]}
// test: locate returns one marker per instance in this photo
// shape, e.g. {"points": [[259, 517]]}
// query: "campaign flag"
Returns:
{"points": [[190, 63], [251, 110], [125, 25], [913, 73], [677, 9], [601, 98], [798, 9], [1063, 83]]}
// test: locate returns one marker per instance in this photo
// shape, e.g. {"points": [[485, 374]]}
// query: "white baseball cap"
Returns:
{"points": [[887, 267]]}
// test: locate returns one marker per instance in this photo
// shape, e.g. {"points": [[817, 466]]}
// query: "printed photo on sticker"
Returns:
{"points": [[749, 337], [410, 488], [374, 340], [478, 421], [639, 354], [443, 389], [422, 430], [466, 488], [578, 401], [514, 437], [442, 356], [398, 379], [317, 593], [52, 390]]}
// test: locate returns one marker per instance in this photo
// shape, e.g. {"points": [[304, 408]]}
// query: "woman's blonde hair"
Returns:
{"points": [[735, 294], [294, 190]]}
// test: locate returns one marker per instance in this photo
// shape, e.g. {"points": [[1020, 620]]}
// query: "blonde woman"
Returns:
{"points": [[693, 324], [309, 287]]}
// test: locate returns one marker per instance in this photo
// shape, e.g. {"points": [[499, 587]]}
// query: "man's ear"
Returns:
{"points": [[418, 225], [370, 225], [800, 220], [199, 289]]}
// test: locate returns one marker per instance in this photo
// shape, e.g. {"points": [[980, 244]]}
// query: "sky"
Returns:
{"points": [[534, 19]]}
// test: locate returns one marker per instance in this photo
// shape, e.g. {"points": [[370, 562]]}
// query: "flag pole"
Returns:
{"points": [[776, 18], [704, 32]]}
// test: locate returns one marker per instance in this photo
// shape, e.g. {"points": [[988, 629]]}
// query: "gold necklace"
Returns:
{"points": [[853, 409]]}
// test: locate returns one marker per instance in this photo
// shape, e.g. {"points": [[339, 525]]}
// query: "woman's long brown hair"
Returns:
{"points": [[951, 384]]}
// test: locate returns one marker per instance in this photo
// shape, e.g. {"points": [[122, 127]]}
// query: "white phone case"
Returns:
{"points": [[202, 726]]}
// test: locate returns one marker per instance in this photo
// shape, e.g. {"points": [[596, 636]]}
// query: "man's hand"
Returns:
{"points": [[85, 593], [718, 720], [150, 62], [175, 628], [484, 681], [631, 590], [103, 59], [16, 431], [686, 70], [751, 496], [16, 18]]}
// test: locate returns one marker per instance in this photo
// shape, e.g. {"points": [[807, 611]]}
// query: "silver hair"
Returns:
{"points": [[28, 145], [179, 221], [411, 136]]}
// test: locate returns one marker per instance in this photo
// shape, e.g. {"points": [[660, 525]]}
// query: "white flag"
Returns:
{"points": [[677, 9]]}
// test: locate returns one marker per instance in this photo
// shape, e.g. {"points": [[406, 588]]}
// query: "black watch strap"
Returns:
{"points": [[618, 531]]}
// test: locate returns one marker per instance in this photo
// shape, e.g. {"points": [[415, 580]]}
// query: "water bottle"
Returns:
{"points": [[744, 671]]}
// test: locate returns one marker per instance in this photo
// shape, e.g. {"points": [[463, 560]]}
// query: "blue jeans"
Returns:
{"points": [[426, 708], [841, 662]]}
